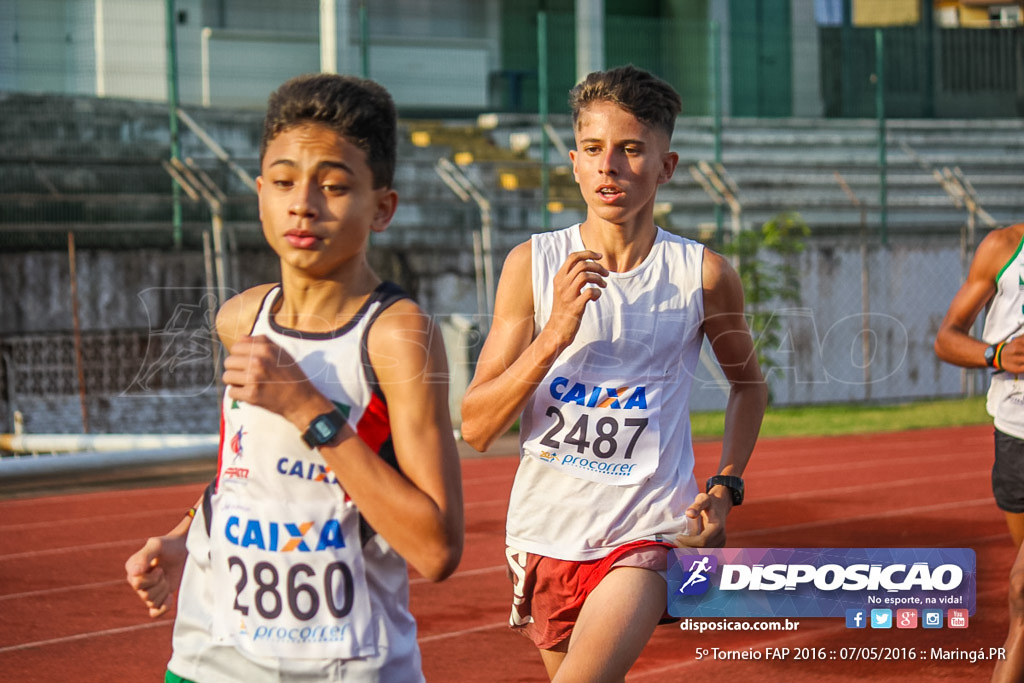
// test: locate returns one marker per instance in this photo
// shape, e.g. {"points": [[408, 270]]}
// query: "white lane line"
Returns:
{"points": [[847, 445], [91, 520], [84, 636], [872, 486], [463, 632], [63, 589], [887, 514], [73, 549], [116, 582], [60, 499], [459, 575], [930, 460]]}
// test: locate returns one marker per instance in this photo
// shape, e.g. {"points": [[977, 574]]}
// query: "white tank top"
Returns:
{"points": [[1005, 320], [606, 454], [285, 581]]}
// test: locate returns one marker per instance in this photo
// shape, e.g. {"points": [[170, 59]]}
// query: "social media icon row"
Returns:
{"points": [[905, 618]]}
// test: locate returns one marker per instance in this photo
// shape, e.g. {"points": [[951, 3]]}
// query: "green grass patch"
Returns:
{"points": [[853, 418]]}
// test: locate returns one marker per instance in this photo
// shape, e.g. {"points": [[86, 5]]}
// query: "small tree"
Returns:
{"points": [[769, 283]]}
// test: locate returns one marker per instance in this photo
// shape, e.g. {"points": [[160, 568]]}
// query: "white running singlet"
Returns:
{"points": [[606, 455], [284, 580], [1005, 320]]}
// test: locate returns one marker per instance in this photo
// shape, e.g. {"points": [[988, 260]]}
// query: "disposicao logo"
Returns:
{"points": [[818, 582], [696, 578]]}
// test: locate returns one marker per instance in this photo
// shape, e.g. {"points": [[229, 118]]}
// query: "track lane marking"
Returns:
{"points": [[460, 575], [938, 507], [62, 589], [84, 636], [845, 466], [871, 486], [72, 548], [463, 632], [24, 526]]}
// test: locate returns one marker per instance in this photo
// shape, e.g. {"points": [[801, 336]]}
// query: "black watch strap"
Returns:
{"points": [[734, 484], [323, 428]]}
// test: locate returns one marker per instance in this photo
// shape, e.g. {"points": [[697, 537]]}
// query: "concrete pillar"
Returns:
{"points": [[806, 62], [718, 12], [335, 29], [8, 48], [589, 37]]}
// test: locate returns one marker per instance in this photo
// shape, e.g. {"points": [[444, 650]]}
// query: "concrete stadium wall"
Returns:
{"points": [[819, 359]]}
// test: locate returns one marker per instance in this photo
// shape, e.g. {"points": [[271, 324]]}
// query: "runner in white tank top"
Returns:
{"points": [[596, 357], [338, 462], [295, 548], [608, 429], [1004, 322], [996, 279]]}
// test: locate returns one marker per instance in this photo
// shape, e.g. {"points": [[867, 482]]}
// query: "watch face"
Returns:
{"points": [[324, 429]]}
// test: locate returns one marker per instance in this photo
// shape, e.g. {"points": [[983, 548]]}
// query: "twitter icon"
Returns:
{"points": [[881, 618]]}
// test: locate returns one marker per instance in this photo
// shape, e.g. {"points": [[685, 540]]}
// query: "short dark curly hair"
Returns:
{"points": [[651, 100], [358, 109]]}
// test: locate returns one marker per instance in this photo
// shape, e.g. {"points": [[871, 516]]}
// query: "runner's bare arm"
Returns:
{"points": [[237, 315], [418, 510], [514, 361], [154, 571], [416, 388], [727, 332], [954, 342]]}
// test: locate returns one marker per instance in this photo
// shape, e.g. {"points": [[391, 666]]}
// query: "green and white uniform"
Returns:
{"points": [[1005, 320]]}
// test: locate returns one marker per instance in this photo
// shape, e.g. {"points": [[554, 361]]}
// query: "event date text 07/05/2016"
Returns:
{"points": [[852, 653]]}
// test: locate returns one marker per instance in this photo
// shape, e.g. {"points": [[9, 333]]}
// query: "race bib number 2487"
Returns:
{"points": [[608, 436]]}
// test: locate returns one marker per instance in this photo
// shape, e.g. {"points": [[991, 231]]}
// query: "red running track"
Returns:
{"points": [[66, 613]]}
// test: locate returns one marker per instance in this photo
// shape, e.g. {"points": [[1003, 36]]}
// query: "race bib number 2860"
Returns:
{"points": [[290, 584]]}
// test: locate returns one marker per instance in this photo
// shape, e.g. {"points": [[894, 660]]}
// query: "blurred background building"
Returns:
{"points": [[886, 134], [762, 57]]}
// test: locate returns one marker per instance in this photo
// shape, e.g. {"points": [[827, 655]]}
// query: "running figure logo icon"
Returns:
{"points": [[696, 580]]}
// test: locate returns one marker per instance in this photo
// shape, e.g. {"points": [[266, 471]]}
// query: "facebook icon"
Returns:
{"points": [[856, 618]]}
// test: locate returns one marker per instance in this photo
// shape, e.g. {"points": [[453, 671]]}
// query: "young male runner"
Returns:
{"points": [[597, 355], [995, 280], [337, 462]]}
